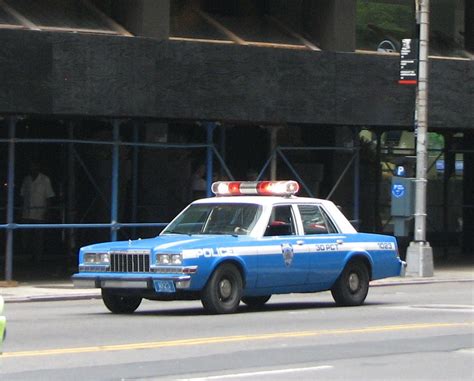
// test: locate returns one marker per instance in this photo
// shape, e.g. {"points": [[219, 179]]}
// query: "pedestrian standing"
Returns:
{"points": [[37, 192]]}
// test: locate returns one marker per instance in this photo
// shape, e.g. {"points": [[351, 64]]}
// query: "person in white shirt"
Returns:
{"points": [[198, 183], [37, 192]]}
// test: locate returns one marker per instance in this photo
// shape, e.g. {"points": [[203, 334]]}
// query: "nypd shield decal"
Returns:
{"points": [[288, 253]]}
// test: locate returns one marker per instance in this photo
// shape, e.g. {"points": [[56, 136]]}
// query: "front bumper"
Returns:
{"points": [[148, 282]]}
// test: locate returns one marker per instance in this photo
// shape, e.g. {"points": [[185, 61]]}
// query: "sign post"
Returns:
{"points": [[420, 253], [409, 62]]}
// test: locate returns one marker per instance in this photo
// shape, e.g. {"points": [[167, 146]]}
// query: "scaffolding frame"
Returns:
{"points": [[114, 225], [354, 160]]}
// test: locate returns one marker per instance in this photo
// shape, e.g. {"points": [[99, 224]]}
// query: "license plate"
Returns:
{"points": [[164, 286]]}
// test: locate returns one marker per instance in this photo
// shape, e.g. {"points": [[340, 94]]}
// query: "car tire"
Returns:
{"points": [[120, 304], [352, 286], [256, 301], [223, 290]]}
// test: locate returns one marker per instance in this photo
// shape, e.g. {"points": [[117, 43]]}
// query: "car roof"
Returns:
{"points": [[261, 200]]}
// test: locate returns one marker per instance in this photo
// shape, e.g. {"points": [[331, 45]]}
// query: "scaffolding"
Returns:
{"points": [[113, 225]]}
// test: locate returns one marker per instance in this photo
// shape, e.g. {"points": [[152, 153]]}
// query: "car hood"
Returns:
{"points": [[168, 243]]}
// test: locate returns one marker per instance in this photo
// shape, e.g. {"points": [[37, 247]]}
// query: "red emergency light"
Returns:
{"points": [[260, 188]]}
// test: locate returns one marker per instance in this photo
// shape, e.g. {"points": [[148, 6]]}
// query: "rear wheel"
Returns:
{"points": [[352, 286], [223, 290], [120, 304], [256, 301]]}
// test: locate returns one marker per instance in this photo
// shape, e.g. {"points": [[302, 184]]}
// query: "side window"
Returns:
{"points": [[315, 220], [281, 221]]}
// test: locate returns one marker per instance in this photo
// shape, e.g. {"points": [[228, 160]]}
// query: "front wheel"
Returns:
{"points": [[352, 286], [223, 290], [120, 304]]}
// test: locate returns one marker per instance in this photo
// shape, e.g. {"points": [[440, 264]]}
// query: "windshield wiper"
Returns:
{"points": [[176, 232]]}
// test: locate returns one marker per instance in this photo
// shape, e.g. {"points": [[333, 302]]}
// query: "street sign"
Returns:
{"points": [[398, 190], [401, 171], [409, 62]]}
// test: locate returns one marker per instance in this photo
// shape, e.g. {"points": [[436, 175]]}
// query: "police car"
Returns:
{"points": [[253, 240]]}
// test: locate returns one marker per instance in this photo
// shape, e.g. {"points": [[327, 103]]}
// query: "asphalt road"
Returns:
{"points": [[419, 332]]}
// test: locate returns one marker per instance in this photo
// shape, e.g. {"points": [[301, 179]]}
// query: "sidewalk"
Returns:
{"points": [[38, 291], [62, 289]]}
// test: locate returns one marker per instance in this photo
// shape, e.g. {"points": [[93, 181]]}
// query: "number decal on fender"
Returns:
{"points": [[325, 247], [385, 245]]}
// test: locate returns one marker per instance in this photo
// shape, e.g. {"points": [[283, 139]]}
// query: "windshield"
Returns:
{"points": [[235, 219]]}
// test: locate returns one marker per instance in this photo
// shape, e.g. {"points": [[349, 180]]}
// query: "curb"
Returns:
{"points": [[377, 283], [97, 295], [49, 298]]}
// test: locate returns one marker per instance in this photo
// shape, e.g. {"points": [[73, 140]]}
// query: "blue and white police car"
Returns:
{"points": [[253, 240]]}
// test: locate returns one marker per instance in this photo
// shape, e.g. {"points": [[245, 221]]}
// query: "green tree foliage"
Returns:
{"points": [[378, 21]]}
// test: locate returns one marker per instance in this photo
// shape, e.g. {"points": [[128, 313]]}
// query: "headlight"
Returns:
{"points": [[176, 259], [163, 259], [169, 259], [97, 258]]}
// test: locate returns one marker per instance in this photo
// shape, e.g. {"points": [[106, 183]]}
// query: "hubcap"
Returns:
{"points": [[225, 288], [354, 282]]}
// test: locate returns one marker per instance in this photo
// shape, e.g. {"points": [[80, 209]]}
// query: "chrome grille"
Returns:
{"points": [[129, 262]]}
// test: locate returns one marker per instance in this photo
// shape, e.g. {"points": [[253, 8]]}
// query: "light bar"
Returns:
{"points": [[261, 188]]}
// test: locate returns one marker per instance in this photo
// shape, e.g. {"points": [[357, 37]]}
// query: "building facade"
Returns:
{"points": [[119, 102]]}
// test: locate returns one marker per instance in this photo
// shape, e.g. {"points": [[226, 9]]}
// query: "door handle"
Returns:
{"points": [[339, 241], [300, 242]]}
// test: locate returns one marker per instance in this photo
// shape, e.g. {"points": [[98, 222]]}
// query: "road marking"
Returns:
{"points": [[438, 307], [232, 339], [261, 373], [467, 351], [450, 307]]}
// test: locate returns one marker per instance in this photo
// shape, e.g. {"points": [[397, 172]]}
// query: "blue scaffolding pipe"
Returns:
{"points": [[86, 212], [292, 169], [209, 162], [114, 226], [10, 198], [328, 197], [267, 163], [324, 148], [110, 143], [12, 141], [89, 175], [279, 151], [434, 161], [356, 199], [223, 164], [222, 142], [135, 177], [115, 180], [71, 188]]}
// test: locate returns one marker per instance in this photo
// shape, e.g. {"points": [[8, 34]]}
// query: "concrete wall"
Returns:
{"points": [[71, 74]]}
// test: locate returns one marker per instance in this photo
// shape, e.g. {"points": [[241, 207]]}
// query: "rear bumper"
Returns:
{"points": [[403, 268]]}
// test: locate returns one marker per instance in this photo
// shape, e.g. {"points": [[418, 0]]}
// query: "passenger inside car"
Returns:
{"points": [[281, 222]]}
